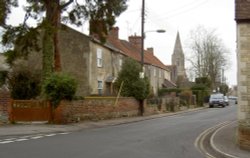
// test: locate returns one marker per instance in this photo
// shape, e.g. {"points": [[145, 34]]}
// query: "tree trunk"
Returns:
{"points": [[57, 24], [51, 47], [141, 107], [48, 49]]}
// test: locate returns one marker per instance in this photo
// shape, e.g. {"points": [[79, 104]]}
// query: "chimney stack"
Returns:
{"points": [[135, 40], [150, 50], [114, 33]]}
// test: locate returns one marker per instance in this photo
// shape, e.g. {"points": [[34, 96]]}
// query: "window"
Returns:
{"points": [[178, 62], [154, 71], [160, 73], [120, 64], [100, 87], [99, 58]]}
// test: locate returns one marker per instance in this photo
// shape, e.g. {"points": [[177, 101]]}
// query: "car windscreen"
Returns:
{"points": [[216, 96]]}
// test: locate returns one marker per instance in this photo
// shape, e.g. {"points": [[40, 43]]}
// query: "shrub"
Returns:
{"points": [[133, 86], [201, 91], [24, 84], [3, 76], [185, 97], [58, 87], [140, 89], [165, 91]]}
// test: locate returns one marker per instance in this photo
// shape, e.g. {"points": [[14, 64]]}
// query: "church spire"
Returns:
{"points": [[178, 58], [178, 46]]}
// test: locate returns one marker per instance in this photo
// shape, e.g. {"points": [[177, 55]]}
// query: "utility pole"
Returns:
{"points": [[142, 37]]}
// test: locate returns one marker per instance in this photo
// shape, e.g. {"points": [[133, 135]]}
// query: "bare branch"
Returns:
{"points": [[66, 4]]}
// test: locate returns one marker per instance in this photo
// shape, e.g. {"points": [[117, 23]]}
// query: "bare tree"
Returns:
{"points": [[209, 55]]}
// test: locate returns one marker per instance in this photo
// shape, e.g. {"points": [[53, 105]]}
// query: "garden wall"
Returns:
{"points": [[91, 108], [4, 104], [96, 108]]}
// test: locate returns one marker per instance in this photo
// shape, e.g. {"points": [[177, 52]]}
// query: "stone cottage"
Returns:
{"points": [[95, 66]]}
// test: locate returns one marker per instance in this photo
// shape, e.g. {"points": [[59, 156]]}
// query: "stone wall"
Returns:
{"points": [[242, 17], [243, 50], [75, 55]]}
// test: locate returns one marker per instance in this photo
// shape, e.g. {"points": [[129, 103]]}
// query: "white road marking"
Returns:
{"points": [[63, 133], [213, 144], [50, 135], [9, 139], [37, 137], [5, 142], [22, 139], [29, 137]]}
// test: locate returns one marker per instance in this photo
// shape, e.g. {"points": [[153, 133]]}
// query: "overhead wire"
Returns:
{"points": [[182, 10], [157, 19]]}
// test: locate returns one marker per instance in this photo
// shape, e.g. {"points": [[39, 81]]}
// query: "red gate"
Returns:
{"points": [[29, 110]]}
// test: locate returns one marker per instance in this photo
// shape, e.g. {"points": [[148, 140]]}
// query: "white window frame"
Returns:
{"points": [[99, 84], [120, 64], [99, 57], [100, 87]]}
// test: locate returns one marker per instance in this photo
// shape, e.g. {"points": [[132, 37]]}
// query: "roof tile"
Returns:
{"points": [[134, 52]]}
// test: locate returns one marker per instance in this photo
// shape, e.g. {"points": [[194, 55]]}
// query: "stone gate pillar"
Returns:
{"points": [[242, 17]]}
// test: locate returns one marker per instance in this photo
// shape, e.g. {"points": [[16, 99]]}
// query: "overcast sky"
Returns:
{"points": [[182, 16], [173, 16]]}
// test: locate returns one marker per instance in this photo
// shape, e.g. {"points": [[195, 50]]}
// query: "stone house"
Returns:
{"points": [[242, 17], [154, 69], [95, 66]]}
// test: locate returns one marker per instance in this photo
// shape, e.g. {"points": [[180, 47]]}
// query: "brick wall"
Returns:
{"points": [[4, 104], [96, 108], [92, 108]]}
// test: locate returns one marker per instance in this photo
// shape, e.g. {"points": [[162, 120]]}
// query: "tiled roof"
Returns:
{"points": [[242, 10], [134, 52], [168, 84], [171, 67]]}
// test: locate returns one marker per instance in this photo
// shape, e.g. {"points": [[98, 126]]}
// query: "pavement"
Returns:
{"points": [[225, 142], [224, 139]]}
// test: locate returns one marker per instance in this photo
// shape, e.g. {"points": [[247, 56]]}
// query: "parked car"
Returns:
{"points": [[216, 99], [233, 99], [226, 100]]}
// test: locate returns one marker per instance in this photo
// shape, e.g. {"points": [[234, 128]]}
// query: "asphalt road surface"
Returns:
{"points": [[166, 137]]}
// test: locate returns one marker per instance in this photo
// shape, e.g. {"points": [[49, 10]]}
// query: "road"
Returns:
{"points": [[166, 137]]}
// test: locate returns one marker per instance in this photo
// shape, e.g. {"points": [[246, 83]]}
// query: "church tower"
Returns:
{"points": [[178, 59]]}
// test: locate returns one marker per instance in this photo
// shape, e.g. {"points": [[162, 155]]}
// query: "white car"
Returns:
{"points": [[226, 100], [216, 99], [233, 99]]}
